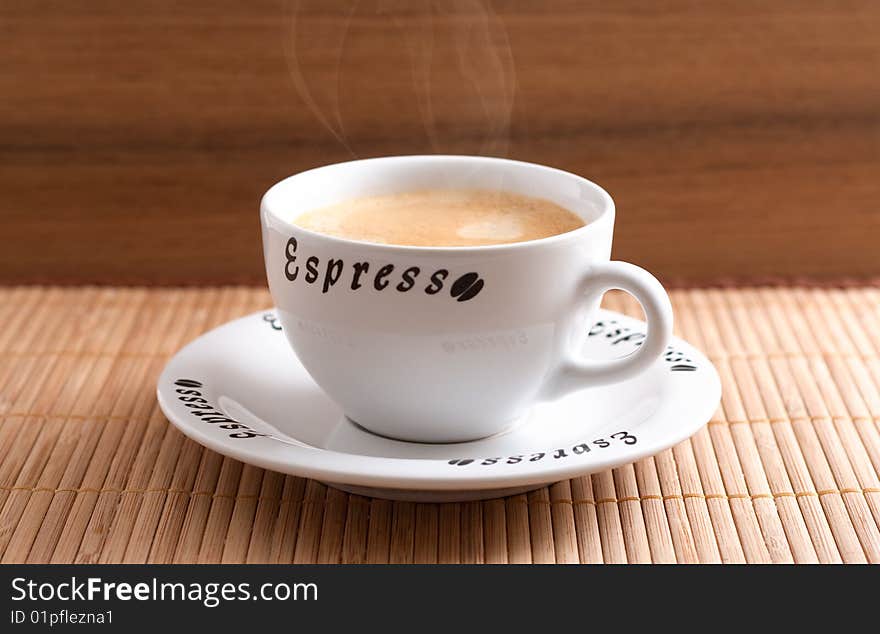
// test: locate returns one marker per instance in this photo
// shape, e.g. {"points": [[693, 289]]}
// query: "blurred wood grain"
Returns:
{"points": [[739, 139]]}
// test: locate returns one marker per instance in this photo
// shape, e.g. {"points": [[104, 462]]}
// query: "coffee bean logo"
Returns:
{"points": [[467, 287], [187, 383]]}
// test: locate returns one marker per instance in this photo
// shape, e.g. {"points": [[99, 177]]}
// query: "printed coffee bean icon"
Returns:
{"points": [[466, 287], [187, 383]]}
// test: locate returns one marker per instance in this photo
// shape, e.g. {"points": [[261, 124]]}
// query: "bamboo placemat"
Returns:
{"points": [[90, 470]]}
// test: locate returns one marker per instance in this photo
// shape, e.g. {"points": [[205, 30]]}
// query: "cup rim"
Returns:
{"points": [[606, 213]]}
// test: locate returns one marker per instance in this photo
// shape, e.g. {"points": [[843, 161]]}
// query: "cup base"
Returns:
{"points": [[506, 428]]}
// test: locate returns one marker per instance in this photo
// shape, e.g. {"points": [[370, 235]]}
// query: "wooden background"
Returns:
{"points": [[740, 139]]}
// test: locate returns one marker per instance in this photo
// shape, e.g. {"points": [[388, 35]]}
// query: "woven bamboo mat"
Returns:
{"points": [[90, 470]]}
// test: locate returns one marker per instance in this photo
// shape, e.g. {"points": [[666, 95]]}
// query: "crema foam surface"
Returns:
{"points": [[442, 218]]}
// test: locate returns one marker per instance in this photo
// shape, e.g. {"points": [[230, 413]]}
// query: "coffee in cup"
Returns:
{"points": [[442, 218]]}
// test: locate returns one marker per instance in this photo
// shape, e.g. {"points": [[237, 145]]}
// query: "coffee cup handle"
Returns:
{"points": [[575, 373]]}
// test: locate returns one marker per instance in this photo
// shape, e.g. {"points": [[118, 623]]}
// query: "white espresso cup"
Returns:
{"points": [[449, 344]]}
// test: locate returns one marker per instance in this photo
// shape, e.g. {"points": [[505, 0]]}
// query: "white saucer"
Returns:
{"points": [[244, 374]]}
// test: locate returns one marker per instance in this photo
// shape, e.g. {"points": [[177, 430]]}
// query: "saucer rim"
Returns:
{"points": [[351, 472]]}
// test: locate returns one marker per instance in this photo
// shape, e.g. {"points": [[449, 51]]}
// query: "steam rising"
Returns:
{"points": [[445, 63]]}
